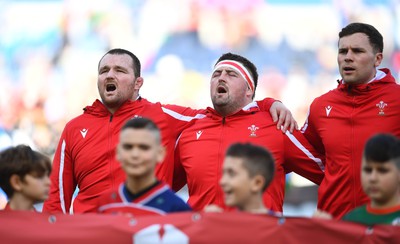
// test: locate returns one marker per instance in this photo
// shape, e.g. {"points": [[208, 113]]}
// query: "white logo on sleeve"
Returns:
{"points": [[83, 132], [198, 134], [328, 110]]}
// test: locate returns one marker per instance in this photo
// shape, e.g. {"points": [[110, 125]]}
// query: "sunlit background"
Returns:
{"points": [[49, 52]]}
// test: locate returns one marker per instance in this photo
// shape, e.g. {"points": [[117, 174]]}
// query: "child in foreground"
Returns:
{"points": [[380, 178], [24, 177], [246, 173], [139, 150]]}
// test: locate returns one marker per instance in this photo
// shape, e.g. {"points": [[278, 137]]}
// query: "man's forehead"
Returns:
{"points": [[116, 60], [356, 39]]}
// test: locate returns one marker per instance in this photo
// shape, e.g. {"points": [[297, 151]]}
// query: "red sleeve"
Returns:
{"points": [[180, 117], [266, 103], [302, 158], [62, 180], [310, 132]]}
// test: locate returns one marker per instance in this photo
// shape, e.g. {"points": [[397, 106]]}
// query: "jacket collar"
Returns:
{"points": [[382, 76], [98, 108], [249, 108]]}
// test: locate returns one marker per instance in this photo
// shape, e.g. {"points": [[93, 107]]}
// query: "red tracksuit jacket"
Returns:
{"points": [[201, 148], [85, 156], [339, 124]]}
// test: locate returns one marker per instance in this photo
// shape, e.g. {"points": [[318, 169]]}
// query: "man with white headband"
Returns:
{"points": [[235, 118], [85, 156]]}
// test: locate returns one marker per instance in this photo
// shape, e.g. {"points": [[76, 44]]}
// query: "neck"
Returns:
{"points": [[231, 108], [21, 202], [136, 185], [254, 205]]}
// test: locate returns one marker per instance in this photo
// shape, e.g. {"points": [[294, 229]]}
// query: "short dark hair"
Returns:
{"points": [[143, 123], [247, 63], [256, 160], [135, 61], [375, 38], [21, 160], [383, 147]]}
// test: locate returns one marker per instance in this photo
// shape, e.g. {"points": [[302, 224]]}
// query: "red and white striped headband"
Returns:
{"points": [[238, 67]]}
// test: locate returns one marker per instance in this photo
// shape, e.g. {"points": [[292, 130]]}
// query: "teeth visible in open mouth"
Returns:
{"points": [[110, 87]]}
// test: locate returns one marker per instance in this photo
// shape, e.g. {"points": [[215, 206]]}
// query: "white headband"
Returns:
{"points": [[239, 68]]}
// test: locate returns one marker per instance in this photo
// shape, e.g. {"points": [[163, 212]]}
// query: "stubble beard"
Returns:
{"points": [[113, 102]]}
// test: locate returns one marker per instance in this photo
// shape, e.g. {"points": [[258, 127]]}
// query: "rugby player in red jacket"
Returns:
{"points": [[340, 122], [236, 118], [85, 156]]}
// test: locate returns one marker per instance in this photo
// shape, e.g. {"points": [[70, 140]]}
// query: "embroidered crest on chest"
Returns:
{"points": [[253, 129], [381, 106]]}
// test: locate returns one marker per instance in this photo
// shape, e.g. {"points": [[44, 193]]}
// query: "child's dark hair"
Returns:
{"points": [[21, 160], [143, 123], [382, 148], [256, 159]]}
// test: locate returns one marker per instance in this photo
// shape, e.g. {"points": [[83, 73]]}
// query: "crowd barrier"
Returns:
{"points": [[235, 227]]}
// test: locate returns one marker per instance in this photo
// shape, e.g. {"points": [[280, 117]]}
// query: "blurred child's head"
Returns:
{"points": [[380, 173], [139, 148], [247, 171], [25, 171]]}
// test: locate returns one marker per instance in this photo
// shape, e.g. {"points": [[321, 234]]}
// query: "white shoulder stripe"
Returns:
{"points": [[60, 177], [181, 116], [305, 151]]}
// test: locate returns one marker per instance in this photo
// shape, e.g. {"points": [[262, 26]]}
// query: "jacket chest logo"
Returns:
{"points": [[328, 110], [253, 130], [84, 132], [381, 106], [198, 134]]}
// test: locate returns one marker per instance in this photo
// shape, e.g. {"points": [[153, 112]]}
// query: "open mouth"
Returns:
{"points": [[110, 87], [348, 69], [221, 89]]}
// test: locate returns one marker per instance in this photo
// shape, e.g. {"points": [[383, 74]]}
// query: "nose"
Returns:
{"points": [[223, 76], [349, 56], [134, 152], [373, 175], [110, 74]]}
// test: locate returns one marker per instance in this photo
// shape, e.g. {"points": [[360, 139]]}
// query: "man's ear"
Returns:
{"points": [[258, 182], [16, 182], [378, 59], [249, 92], [139, 83]]}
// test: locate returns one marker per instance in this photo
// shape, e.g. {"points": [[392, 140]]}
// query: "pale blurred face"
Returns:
{"points": [[357, 60], [116, 80], [139, 152], [381, 182], [236, 183], [229, 91], [35, 188]]}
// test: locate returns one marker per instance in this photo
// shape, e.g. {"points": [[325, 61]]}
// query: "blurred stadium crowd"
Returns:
{"points": [[49, 52]]}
